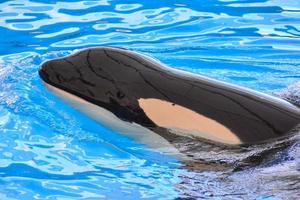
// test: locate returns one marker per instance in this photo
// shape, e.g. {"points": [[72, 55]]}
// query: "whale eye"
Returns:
{"points": [[120, 95]]}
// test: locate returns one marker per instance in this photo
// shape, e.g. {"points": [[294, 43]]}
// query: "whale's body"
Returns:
{"points": [[135, 94]]}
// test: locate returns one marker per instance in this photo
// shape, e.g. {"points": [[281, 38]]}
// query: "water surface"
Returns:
{"points": [[50, 151]]}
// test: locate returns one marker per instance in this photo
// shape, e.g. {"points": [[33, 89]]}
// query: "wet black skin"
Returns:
{"points": [[116, 78]]}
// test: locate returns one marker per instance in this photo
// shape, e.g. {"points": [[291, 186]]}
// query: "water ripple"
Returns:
{"points": [[50, 151]]}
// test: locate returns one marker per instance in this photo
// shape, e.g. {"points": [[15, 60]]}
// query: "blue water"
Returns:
{"points": [[50, 151]]}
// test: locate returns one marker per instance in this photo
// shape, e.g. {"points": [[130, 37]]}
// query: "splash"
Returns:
{"points": [[291, 93]]}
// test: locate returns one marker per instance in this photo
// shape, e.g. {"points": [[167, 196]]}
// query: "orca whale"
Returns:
{"points": [[137, 95]]}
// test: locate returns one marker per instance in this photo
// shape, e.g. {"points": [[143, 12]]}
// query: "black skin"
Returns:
{"points": [[115, 79]]}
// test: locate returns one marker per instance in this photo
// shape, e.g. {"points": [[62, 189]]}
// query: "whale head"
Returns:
{"points": [[101, 76], [140, 90]]}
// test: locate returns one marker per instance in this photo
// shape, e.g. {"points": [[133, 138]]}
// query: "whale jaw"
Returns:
{"points": [[110, 121]]}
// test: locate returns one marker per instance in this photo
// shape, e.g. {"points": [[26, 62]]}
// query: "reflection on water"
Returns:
{"points": [[48, 150]]}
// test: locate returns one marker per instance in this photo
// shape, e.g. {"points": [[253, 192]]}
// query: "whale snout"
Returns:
{"points": [[45, 71], [58, 72]]}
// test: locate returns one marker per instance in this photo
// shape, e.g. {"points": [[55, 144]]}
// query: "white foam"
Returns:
{"points": [[291, 93]]}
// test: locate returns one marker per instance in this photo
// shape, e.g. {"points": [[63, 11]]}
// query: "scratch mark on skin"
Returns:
{"points": [[193, 84], [92, 69], [141, 75]]}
